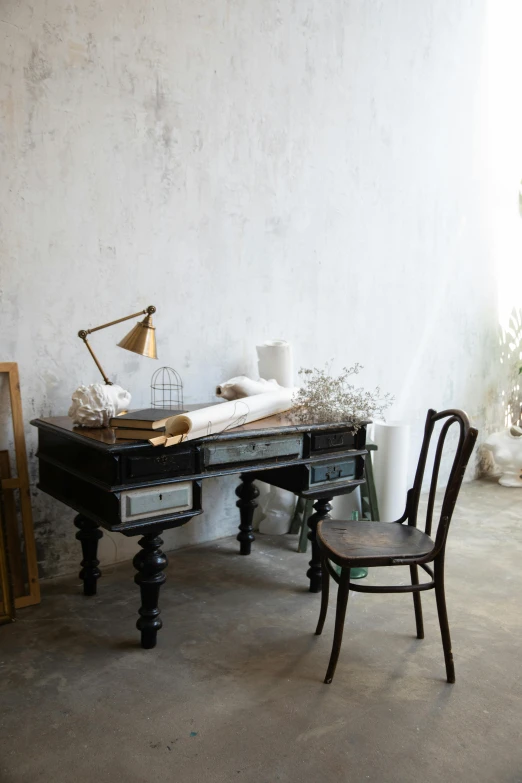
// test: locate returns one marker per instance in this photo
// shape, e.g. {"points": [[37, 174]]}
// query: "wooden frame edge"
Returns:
{"points": [[33, 597]]}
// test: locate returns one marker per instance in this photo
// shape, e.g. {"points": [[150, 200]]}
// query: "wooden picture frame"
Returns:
{"points": [[31, 595], [7, 610]]}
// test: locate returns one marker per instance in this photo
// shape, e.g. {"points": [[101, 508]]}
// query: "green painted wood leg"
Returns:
{"points": [[303, 538]]}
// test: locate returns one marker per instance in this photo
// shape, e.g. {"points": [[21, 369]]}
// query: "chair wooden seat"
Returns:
{"points": [[364, 543]]}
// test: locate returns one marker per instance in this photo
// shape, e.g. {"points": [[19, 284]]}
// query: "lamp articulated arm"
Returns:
{"points": [[144, 350]]}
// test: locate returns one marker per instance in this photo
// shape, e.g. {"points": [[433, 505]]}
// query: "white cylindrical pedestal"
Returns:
{"points": [[390, 468], [275, 360]]}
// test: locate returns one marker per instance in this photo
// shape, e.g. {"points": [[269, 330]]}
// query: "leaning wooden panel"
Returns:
{"points": [[7, 607], [21, 482], [11, 532]]}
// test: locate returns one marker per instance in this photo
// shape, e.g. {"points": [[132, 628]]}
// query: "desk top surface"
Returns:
{"points": [[105, 437]]}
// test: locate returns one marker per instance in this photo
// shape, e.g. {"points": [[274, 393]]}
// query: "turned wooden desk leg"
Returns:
{"points": [[314, 573], [88, 535], [149, 563], [247, 493]]}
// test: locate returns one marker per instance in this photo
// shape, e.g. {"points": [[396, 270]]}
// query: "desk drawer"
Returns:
{"points": [[247, 450], [159, 501], [334, 440], [339, 439], [327, 472], [159, 463]]}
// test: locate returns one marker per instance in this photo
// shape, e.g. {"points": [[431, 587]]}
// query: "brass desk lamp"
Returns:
{"points": [[141, 339]]}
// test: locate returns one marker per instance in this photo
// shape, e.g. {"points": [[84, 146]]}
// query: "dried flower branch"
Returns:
{"points": [[324, 399]]}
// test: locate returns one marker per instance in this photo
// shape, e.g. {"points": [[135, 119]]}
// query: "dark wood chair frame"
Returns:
{"points": [[466, 442]]}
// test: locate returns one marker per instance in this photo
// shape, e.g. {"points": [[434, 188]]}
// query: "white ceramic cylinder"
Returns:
{"points": [[279, 510], [275, 360], [390, 467]]}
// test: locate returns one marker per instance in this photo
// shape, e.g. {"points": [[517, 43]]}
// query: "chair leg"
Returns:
{"points": [[417, 605], [325, 592], [342, 602], [443, 618]]}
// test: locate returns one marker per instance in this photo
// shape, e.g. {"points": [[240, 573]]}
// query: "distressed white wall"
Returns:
{"points": [[308, 170]]}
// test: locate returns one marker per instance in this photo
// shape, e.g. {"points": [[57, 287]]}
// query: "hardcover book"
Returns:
{"points": [[134, 433], [147, 419]]}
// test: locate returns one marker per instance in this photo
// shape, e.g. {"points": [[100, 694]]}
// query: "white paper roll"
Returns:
{"points": [[241, 386], [390, 467], [275, 360], [227, 415]]}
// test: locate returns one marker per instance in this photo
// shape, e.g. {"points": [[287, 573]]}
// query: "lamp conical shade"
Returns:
{"points": [[141, 339]]}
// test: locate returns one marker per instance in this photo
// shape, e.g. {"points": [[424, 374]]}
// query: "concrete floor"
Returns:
{"points": [[234, 689]]}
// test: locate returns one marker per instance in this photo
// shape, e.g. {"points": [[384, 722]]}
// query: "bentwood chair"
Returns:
{"points": [[372, 544]]}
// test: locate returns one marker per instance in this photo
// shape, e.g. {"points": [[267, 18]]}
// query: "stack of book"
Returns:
{"points": [[142, 425]]}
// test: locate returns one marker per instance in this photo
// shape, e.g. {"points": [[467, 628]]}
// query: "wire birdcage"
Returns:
{"points": [[166, 389]]}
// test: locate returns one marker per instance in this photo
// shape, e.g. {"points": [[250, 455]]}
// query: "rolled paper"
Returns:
{"points": [[275, 360], [242, 386], [226, 415], [390, 468], [159, 440]]}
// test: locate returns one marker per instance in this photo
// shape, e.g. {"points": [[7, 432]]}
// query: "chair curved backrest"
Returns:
{"points": [[467, 436]]}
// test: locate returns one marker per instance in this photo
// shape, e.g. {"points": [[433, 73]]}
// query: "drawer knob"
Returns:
{"points": [[335, 440], [333, 473]]}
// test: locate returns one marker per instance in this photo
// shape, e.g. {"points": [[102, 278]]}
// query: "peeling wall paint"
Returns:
{"points": [[301, 170]]}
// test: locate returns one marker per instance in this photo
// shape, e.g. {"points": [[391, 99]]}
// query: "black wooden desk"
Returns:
{"points": [[136, 489]]}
